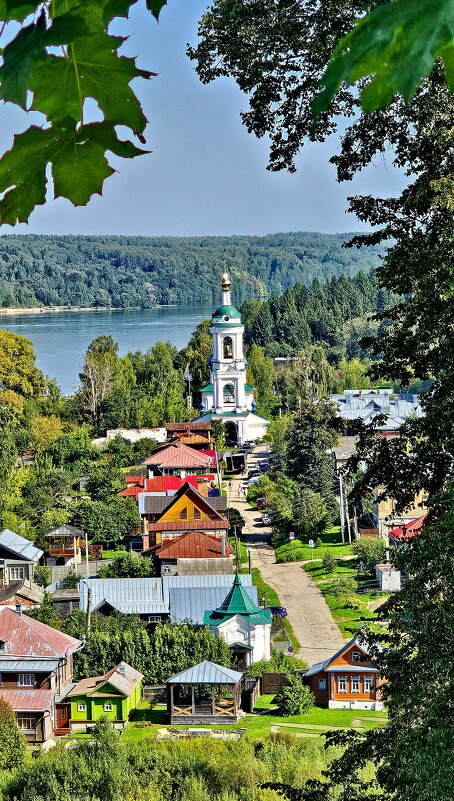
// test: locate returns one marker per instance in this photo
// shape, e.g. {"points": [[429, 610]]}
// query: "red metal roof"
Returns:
{"points": [[28, 700], [188, 426], [178, 455], [183, 525], [24, 636], [162, 484], [194, 545], [408, 530]]}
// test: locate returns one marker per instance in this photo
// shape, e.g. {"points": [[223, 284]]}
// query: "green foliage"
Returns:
{"points": [[46, 613], [13, 745], [129, 565], [398, 44], [126, 272], [370, 551], [280, 662], [69, 582], [106, 521], [329, 562], [294, 698], [18, 371], [42, 575], [104, 481], [63, 56]]}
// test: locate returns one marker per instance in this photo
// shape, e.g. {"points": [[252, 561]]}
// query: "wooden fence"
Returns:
{"points": [[272, 682]]}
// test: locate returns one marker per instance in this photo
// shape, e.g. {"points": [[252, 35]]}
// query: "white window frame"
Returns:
{"points": [[322, 684], [368, 684], [16, 569], [81, 706], [108, 706], [30, 719], [341, 680], [22, 680], [166, 569], [355, 684], [356, 656]]}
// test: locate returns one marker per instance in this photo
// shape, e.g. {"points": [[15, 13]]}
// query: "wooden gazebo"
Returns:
{"points": [[205, 693]]}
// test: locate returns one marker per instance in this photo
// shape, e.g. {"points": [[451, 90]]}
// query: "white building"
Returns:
{"points": [[228, 396]]}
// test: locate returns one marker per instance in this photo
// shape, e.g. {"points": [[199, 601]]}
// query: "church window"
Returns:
{"points": [[228, 347], [229, 395]]}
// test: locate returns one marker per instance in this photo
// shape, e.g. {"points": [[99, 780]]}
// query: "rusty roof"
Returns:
{"points": [[193, 525], [28, 700], [194, 545], [178, 455], [26, 590], [188, 426], [24, 636]]}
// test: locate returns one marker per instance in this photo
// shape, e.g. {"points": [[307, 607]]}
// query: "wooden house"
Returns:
{"points": [[113, 695], [187, 510], [347, 680], [35, 673]]}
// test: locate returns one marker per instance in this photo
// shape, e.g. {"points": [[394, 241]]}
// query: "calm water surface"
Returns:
{"points": [[61, 339]]}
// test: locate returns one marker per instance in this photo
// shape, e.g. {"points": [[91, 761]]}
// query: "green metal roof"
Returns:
{"points": [[248, 388], [230, 310], [238, 602]]}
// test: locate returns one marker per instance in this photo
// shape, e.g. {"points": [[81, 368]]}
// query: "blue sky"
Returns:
{"points": [[206, 174]]}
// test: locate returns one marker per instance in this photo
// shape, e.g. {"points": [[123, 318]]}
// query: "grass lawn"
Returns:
{"points": [[243, 550], [113, 554], [315, 722], [299, 551]]}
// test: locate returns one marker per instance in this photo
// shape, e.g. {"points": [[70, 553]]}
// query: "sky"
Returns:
{"points": [[206, 174]]}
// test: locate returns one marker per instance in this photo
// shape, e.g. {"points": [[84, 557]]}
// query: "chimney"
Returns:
{"points": [[223, 549], [18, 608]]}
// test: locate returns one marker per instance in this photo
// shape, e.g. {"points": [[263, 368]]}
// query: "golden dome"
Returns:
{"points": [[225, 281]]}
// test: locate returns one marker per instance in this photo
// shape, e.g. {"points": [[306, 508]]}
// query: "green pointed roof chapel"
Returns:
{"points": [[238, 602]]}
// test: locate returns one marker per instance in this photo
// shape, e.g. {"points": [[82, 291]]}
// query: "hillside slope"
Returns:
{"points": [[127, 271]]}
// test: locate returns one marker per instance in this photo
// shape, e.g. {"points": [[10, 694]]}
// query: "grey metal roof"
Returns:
{"points": [[154, 504], [20, 546], [32, 665], [191, 603], [202, 581], [129, 595], [206, 673]]}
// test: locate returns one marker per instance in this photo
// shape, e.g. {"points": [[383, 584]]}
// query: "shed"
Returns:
{"points": [[204, 693]]}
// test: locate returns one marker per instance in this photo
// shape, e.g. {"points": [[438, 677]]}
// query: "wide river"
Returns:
{"points": [[61, 338]]}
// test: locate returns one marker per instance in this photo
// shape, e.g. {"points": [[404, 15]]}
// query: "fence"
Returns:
{"points": [[154, 692], [272, 682], [60, 571]]}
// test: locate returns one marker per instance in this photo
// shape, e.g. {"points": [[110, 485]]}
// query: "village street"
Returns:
{"points": [[308, 613]]}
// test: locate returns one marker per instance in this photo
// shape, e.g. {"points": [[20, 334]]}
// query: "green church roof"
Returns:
{"points": [[238, 602], [229, 310]]}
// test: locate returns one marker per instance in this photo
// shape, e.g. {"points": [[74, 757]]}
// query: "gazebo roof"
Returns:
{"points": [[206, 673]]}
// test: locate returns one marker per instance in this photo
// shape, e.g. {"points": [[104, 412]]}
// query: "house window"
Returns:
{"points": [[356, 656], [81, 706], [368, 684], [154, 618], [184, 514], [26, 680], [108, 707], [196, 514], [322, 683], [355, 688], [16, 573], [166, 569], [2, 645], [26, 722], [341, 684]]}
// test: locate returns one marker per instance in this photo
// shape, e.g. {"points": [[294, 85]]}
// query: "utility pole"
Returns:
{"points": [[188, 377], [341, 506], [88, 611], [87, 569], [237, 550]]}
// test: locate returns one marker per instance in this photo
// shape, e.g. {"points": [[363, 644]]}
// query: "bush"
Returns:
{"points": [[318, 543], [128, 565], [294, 698], [69, 582], [370, 551], [42, 575], [329, 562], [13, 745], [280, 662]]}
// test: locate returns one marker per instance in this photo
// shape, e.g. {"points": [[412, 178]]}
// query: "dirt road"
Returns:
{"points": [[308, 613]]}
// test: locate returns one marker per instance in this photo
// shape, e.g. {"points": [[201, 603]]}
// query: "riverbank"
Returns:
{"points": [[17, 310]]}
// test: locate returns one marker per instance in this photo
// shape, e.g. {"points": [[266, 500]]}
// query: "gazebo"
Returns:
{"points": [[205, 693]]}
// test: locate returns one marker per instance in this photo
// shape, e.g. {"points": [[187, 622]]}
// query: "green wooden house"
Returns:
{"points": [[113, 695]]}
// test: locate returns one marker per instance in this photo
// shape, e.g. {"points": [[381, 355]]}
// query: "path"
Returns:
{"points": [[308, 613]]}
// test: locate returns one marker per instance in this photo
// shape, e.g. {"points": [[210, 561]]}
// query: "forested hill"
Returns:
{"points": [[125, 271]]}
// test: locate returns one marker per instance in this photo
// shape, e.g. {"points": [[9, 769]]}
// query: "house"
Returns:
{"points": [[347, 680], [406, 532], [177, 459], [196, 435], [113, 695], [36, 673], [18, 557], [65, 544], [65, 600], [194, 552], [179, 598], [367, 404], [385, 517], [186, 510], [205, 693], [242, 624], [166, 485], [21, 592]]}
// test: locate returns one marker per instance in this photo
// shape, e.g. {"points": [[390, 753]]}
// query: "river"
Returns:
{"points": [[60, 339]]}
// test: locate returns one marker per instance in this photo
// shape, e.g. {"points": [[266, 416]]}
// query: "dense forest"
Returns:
{"points": [[120, 271]]}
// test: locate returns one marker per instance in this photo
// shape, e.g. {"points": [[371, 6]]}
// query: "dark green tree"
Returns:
{"points": [[13, 745]]}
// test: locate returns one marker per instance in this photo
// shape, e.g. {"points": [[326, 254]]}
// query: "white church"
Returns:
{"points": [[228, 396]]}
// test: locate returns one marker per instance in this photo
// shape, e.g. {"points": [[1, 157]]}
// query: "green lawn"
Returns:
{"points": [[316, 721], [243, 550], [299, 551]]}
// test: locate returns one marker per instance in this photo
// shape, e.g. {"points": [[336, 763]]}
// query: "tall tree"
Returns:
{"points": [[13, 746], [98, 376]]}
